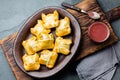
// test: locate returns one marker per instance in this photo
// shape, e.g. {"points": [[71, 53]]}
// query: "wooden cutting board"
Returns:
{"points": [[87, 46]]}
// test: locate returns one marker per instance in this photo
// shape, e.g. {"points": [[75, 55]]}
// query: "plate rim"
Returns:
{"points": [[22, 27]]}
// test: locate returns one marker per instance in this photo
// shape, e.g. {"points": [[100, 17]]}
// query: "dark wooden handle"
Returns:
{"points": [[70, 6], [113, 14]]}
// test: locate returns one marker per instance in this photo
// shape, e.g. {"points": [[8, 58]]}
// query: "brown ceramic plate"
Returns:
{"points": [[62, 60]]}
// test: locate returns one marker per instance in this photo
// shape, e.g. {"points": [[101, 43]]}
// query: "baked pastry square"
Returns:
{"points": [[64, 27], [39, 29], [46, 41], [31, 45], [48, 58], [50, 20], [62, 45], [31, 62]]}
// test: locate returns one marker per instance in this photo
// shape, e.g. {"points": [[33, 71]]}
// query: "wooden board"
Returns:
{"points": [[7, 45], [87, 46]]}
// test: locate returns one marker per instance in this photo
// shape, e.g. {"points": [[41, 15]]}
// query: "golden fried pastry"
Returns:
{"points": [[31, 45], [43, 40], [64, 27], [46, 41], [62, 45], [48, 58], [31, 62], [50, 20], [39, 29]]}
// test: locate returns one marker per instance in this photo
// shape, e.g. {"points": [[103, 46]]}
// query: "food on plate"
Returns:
{"points": [[62, 45], [64, 27], [31, 62], [48, 58], [34, 44], [39, 29], [50, 20], [46, 41], [31, 45]]}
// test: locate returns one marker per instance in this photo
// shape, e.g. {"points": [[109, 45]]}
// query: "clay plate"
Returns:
{"points": [[62, 60]]}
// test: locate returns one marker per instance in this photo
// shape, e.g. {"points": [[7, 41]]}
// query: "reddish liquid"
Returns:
{"points": [[91, 14], [98, 31]]}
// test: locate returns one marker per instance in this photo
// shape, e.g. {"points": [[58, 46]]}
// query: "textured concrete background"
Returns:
{"points": [[13, 13]]}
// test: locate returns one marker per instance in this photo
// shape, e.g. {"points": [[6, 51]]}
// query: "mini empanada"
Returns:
{"points": [[64, 27], [46, 41], [31, 45], [48, 58], [62, 45], [31, 62], [39, 29], [50, 20]]}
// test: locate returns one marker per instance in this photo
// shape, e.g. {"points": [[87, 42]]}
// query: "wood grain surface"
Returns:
{"points": [[87, 46], [7, 46], [0, 41], [113, 16]]}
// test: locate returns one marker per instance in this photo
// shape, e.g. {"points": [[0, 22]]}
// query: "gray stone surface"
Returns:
{"points": [[13, 13]]}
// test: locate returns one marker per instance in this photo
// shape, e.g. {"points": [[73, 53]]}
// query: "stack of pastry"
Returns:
{"points": [[44, 42]]}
